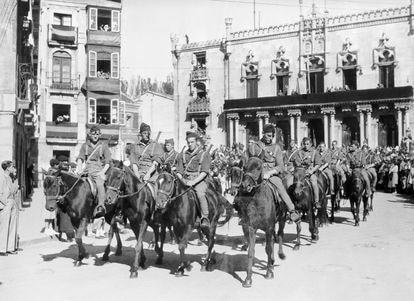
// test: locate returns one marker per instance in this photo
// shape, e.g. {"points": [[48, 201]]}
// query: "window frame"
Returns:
{"points": [[113, 55], [113, 110], [113, 13], [90, 64], [122, 113], [91, 17], [90, 99], [61, 56]]}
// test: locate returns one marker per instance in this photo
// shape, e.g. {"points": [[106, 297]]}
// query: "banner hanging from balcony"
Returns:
{"points": [[63, 33]]}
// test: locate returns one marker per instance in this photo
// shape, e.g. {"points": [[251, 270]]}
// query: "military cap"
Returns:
{"points": [[268, 128], [191, 134], [170, 141], [95, 128], [144, 127], [53, 162]]}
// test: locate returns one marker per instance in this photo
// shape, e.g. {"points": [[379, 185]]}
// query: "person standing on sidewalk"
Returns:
{"points": [[8, 210]]}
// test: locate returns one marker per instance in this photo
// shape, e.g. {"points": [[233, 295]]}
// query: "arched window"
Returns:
{"points": [[61, 72]]}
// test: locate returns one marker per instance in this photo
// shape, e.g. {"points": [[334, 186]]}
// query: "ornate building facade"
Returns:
{"points": [[327, 77]]}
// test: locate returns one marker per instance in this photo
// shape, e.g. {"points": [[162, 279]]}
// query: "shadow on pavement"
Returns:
{"points": [[407, 200]]}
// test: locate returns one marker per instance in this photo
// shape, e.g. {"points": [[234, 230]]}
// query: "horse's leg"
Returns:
{"points": [[245, 245], [211, 240], [358, 203], [250, 256], [352, 202], [139, 231], [313, 226], [298, 231], [365, 212], [182, 237], [333, 205], [105, 256], [78, 238], [161, 248], [270, 252], [280, 234]]}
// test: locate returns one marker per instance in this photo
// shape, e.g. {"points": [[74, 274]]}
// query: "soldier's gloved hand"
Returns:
{"points": [[190, 183], [146, 177], [266, 175]]}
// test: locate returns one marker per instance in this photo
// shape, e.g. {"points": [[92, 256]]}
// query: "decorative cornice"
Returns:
{"points": [[233, 116], [402, 106], [296, 112], [262, 114], [364, 108], [328, 110]]}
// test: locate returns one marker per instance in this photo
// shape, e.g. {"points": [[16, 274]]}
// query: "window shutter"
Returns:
{"points": [[93, 18], [122, 118], [92, 63], [135, 121], [115, 20], [115, 65], [114, 111], [91, 110]]}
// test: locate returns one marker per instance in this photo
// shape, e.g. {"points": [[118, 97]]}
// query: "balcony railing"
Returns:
{"points": [[59, 84], [336, 98], [62, 131], [61, 34], [199, 74], [101, 37], [199, 106]]}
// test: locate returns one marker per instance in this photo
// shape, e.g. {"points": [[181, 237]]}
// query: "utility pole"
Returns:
{"points": [[254, 14]]}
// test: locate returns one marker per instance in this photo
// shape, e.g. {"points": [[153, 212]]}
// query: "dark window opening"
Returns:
{"points": [[201, 125], [316, 82], [61, 70], [282, 85], [62, 155], [251, 85], [386, 77], [200, 90], [200, 60], [103, 111], [60, 113], [103, 66], [62, 19], [104, 20], [350, 79]]}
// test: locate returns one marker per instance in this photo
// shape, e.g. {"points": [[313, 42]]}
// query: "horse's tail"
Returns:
{"points": [[229, 210]]}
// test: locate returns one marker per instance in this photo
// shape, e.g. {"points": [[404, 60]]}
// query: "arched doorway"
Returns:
{"points": [[350, 130], [315, 131], [387, 131]]}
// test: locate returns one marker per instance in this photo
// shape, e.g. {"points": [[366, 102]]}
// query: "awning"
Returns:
{"points": [[63, 33]]}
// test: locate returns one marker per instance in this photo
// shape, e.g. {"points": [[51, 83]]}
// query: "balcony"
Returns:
{"points": [[101, 37], [103, 85], [199, 106], [199, 74], [62, 133], [109, 132], [336, 98], [62, 35], [129, 135], [59, 86]]}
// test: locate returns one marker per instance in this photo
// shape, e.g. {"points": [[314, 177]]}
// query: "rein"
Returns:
{"points": [[169, 194], [58, 197], [117, 190]]}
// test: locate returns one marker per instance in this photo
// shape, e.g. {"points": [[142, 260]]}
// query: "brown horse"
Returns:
{"points": [[74, 196], [357, 193], [178, 206], [137, 205], [258, 208]]}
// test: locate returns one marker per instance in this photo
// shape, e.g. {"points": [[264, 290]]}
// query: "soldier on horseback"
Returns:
{"points": [[337, 157], [145, 156], [371, 160], [356, 159], [193, 167], [273, 167], [170, 156], [324, 161], [305, 158], [97, 157]]}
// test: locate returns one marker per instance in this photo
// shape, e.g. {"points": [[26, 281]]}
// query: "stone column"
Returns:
{"points": [[292, 127], [260, 126], [231, 131], [340, 135], [369, 138], [399, 124], [331, 127], [298, 137], [263, 118], [325, 129], [407, 119], [361, 127], [236, 129]]}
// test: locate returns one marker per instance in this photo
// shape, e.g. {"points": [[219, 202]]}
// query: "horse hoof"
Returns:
{"points": [[269, 274], [179, 272], [331, 220], [203, 268], [78, 263], [159, 261], [356, 224], [247, 283], [134, 274], [364, 219], [189, 267], [105, 257], [282, 256], [141, 268], [296, 248], [315, 238]]}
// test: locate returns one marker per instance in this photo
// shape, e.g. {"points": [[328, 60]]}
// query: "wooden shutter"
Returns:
{"points": [[115, 65], [115, 20], [93, 19], [91, 110], [92, 63], [122, 118], [114, 111]]}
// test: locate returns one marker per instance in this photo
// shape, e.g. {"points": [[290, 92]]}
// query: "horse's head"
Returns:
{"points": [[236, 177], [299, 177], [52, 190], [253, 175], [114, 184], [165, 189], [357, 183]]}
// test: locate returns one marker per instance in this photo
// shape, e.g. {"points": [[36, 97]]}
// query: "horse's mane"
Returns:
{"points": [[254, 166], [68, 177], [129, 171]]}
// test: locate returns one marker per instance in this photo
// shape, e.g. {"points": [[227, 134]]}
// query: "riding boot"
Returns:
{"points": [[205, 223], [315, 191]]}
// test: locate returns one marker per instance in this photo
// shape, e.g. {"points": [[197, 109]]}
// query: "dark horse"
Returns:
{"points": [[74, 196], [137, 205], [258, 208], [301, 193], [357, 193], [178, 206], [404, 185]]}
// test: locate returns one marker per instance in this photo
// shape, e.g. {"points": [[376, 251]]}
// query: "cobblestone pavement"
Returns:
{"points": [[372, 262]]}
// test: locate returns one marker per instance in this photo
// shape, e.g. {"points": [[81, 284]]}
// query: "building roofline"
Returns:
{"points": [[171, 97]]}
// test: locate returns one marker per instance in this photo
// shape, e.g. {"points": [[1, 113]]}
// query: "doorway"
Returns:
{"points": [[387, 131], [315, 131], [350, 130]]}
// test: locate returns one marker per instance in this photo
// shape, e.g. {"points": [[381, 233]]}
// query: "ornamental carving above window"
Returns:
{"points": [[384, 54], [280, 66], [250, 68], [348, 57]]}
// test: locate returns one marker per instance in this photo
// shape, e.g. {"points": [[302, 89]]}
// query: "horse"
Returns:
{"points": [[178, 206], [138, 204], [74, 196], [301, 193], [323, 190], [404, 185], [258, 208], [336, 198], [357, 193]]}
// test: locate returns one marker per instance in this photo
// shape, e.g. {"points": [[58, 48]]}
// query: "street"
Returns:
{"points": [[371, 262]]}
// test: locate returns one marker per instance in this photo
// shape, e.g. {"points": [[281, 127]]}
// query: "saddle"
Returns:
{"points": [[92, 185]]}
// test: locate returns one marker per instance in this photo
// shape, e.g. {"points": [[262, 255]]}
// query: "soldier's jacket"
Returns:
{"points": [[303, 158], [356, 159], [169, 158], [323, 158], [95, 160], [336, 154], [371, 158], [191, 164], [144, 154], [287, 156], [273, 157]]}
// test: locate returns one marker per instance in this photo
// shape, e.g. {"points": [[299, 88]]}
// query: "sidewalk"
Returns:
{"points": [[31, 220]]}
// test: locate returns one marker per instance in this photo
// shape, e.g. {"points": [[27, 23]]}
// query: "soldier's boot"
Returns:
{"points": [[294, 215], [205, 223], [100, 209]]}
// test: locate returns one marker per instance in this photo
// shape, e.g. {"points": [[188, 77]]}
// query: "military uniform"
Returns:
{"points": [[95, 158], [306, 159], [190, 165], [324, 158], [371, 160], [170, 158], [143, 155], [338, 155], [356, 159]]}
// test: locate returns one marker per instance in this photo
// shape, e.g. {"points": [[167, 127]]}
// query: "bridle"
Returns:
{"points": [[117, 190], [252, 177], [59, 198], [170, 194], [237, 185]]}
